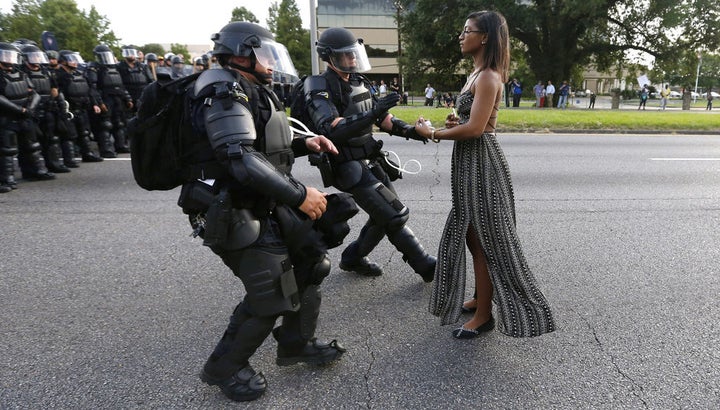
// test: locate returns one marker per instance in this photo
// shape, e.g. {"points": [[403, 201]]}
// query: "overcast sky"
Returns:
{"points": [[154, 21]]}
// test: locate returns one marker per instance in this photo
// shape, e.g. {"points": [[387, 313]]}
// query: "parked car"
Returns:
{"points": [[675, 94], [582, 93]]}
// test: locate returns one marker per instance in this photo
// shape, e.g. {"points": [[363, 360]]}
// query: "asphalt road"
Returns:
{"points": [[106, 302]]}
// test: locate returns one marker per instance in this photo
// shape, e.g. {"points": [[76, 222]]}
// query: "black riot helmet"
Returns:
{"points": [[33, 56], [104, 55], [130, 53], [151, 57], [338, 47], [70, 59], [9, 55], [244, 39]]}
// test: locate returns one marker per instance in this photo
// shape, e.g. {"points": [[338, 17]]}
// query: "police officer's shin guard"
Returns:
{"points": [[68, 153], [106, 144], [32, 165], [7, 171], [228, 366], [87, 150], [413, 252], [354, 257], [296, 343], [53, 158], [121, 143]]}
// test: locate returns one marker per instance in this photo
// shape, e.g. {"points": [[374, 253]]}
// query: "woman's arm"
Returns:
{"points": [[487, 89]]}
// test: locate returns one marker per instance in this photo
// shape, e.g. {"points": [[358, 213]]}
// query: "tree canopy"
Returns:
{"points": [[559, 36], [285, 23], [73, 29]]}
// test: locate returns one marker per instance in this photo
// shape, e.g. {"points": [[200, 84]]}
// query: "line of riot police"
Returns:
{"points": [[55, 108]]}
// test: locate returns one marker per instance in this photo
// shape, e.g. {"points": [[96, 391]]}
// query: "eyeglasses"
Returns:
{"points": [[466, 32]]}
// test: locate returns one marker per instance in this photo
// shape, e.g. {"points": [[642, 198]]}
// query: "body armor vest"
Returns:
{"points": [[275, 139], [110, 81], [15, 88], [358, 101], [133, 78], [78, 90]]}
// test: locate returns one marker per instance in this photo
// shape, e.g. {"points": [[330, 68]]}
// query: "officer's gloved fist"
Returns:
{"points": [[385, 104], [411, 134]]}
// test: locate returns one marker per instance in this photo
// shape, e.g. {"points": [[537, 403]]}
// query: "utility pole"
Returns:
{"points": [[697, 75], [398, 9], [313, 38]]}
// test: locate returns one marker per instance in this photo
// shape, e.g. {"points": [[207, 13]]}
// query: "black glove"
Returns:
{"points": [[385, 103], [411, 134]]}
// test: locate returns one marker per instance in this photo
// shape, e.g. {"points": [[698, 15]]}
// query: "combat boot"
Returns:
{"points": [[244, 385], [354, 257], [413, 253], [312, 352]]}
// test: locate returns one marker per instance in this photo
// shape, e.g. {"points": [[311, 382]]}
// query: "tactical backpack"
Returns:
{"points": [[161, 133]]}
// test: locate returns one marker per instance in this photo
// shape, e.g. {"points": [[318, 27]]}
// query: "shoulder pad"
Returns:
{"points": [[315, 83], [212, 76]]}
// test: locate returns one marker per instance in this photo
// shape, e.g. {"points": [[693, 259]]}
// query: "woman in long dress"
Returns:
{"points": [[483, 206]]}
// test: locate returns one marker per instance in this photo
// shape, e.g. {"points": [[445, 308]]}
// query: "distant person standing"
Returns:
{"points": [[592, 100], [709, 97], [517, 92], [429, 95], [643, 97], [664, 94], [538, 90], [395, 86], [564, 91], [549, 93]]}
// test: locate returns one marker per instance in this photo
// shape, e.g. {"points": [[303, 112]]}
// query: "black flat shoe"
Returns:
{"points": [[462, 333]]}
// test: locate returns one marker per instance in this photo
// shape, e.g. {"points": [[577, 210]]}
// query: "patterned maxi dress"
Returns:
{"points": [[482, 195]]}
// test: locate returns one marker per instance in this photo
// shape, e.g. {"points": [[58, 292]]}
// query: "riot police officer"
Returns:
{"points": [[341, 107], [151, 59], [80, 98], [47, 114], [135, 75], [269, 240], [18, 102], [178, 68], [109, 126]]}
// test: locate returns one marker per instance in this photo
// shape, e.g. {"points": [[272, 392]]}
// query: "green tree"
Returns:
{"points": [[181, 50], [560, 35], [285, 23], [243, 14], [156, 48], [73, 29]]}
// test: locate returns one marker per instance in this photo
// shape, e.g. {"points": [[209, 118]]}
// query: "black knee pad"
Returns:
{"points": [[320, 271]]}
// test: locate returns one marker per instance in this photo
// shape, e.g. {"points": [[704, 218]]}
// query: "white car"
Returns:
{"points": [[675, 94]]}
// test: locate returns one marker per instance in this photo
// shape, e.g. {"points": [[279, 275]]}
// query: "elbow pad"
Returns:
{"points": [[34, 101], [319, 105]]}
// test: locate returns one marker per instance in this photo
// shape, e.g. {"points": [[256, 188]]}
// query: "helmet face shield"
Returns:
{"points": [[75, 58], [274, 55], [105, 58], [36, 57], [9, 57], [351, 59], [129, 53]]}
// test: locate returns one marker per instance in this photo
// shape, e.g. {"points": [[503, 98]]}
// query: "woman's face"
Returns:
{"points": [[471, 39]]}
